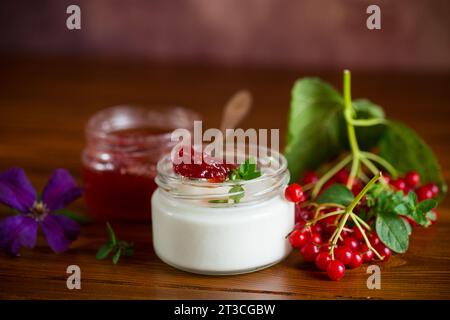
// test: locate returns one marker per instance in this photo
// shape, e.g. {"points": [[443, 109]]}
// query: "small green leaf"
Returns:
{"points": [[336, 193], [104, 251], [426, 205], [116, 256], [111, 233], [392, 231], [237, 197]]}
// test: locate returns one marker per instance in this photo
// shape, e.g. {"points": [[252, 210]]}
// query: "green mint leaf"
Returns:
{"points": [[313, 134], [401, 146], [116, 256], [252, 175], [237, 197], [392, 231], [246, 171], [336, 193], [104, 251], [402, 209], [426, 205], [77, 217], [111, 233], [407, 226]]}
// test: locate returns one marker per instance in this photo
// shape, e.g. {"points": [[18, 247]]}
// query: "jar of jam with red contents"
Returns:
{"points": [[123, 146]]}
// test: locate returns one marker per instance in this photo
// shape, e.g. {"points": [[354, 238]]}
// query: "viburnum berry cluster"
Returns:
{"points": [[353, 213], [324, 236]]}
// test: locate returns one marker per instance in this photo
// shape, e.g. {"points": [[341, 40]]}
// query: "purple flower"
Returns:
{"points": [[20, 230]]}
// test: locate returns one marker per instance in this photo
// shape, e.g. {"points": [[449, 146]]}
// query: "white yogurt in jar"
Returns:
{"points": [[194, 234]]}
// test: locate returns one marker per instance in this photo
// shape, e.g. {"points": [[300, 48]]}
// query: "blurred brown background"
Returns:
{"points": [[308, 34]]}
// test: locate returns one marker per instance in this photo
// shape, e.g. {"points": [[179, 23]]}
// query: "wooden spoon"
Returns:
{"points": [[236, 109]]}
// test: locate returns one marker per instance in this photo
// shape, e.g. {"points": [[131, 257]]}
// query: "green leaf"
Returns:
{"points": [[246, 171], [408, 226], [336, 193], [116, 256], [368, 137], [313, 134], [111, 233], [426, 205], [80, 218], [237, 188], [402, 147], [104, 251], [392, 231]]}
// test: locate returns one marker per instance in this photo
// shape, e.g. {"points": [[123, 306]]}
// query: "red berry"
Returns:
{"points": [[325, 248], [387, 178], [309, 251], [385, 252], [428, 191], [357, 234], [309, 177], [356, 261], [342, 176], [352, 243], [434, 188], [302, 214], [374, 240], [336, 270], [294, 193], [298, 238], [316, 238], [366, 253], [424, 193], [412, 179], [399, 184], [317, 228], [322, 260], [344, 254]]}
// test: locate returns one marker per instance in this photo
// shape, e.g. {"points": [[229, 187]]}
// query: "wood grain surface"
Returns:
{"points": [[45, 103]]}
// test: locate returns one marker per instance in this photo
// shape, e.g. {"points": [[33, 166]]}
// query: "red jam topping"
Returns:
{"points": [[209, 168]]}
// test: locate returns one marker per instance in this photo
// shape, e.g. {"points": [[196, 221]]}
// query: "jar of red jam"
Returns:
{"points": [[123, 146]]}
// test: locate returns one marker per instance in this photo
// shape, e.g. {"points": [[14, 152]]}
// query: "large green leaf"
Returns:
{"points": [[392, 231], [368, 137], [402, 147], [313, 128]]}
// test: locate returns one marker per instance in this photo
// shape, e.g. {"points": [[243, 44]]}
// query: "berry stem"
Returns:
{"points": [[389, 167], [348, 211], [361, 221], [366, 240], [334, 213], [329, 174]]}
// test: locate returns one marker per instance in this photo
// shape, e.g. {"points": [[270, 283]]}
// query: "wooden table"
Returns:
{"points": [[45, 103]]}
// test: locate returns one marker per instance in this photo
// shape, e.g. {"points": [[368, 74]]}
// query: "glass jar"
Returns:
{"points": [[197, 228], [123, 146]]}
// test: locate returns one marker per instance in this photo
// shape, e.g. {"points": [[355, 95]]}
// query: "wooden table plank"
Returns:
{"points": [[45, 103]]}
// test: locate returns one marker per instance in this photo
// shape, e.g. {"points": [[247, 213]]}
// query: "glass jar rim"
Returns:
{"points": [[102, 125], [263, 187]]}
